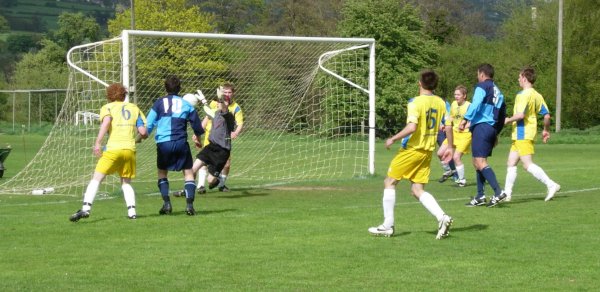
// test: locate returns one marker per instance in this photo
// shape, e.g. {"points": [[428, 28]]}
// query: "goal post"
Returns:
{"points": [[308, 105]]}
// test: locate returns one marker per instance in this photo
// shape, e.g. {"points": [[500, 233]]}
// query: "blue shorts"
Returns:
{"points": [[441, 136], [174, 155], [484, 140]]}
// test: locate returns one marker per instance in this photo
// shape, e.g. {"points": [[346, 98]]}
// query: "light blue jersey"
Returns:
{"points": [[169, 115]]}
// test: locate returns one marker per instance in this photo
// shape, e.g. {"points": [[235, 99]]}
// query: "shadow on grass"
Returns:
{"points": [[244, 194]]}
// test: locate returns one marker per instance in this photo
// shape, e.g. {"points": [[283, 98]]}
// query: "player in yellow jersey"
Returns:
{"points": [[528, 104], [462, 138], [122, 121], [227, 92], [424, 114]]}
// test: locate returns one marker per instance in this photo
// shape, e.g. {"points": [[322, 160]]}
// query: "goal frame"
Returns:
{"points": [[128, 62]]}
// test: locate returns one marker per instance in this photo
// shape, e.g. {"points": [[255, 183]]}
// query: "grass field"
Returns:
{"points": [[313, 236]]}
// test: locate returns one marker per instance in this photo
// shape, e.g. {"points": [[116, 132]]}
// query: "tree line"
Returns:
{"points": [[449, 36]]}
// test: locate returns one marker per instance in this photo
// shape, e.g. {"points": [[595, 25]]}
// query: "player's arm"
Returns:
{"points": [[514, 118], [408, 129], [239, 121], [546, 131], [103, 130], [473, 108]]}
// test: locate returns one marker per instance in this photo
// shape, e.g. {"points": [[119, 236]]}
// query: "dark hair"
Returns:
{"points": [[116, 92], [529, 74], [172, 84], [429, 79], [486, 69]]}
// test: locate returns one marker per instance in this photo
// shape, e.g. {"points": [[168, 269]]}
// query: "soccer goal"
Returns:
{"points": [[308, 104]]}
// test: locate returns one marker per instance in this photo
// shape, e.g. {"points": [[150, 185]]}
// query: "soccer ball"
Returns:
{"points": [[191, 98]]}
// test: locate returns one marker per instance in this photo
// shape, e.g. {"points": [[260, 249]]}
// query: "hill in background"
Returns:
{"points": [[39, 16]]}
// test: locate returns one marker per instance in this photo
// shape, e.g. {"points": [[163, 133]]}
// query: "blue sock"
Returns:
{"points": [[190, 192], [163, 187], [480, 184], [490, 176]]}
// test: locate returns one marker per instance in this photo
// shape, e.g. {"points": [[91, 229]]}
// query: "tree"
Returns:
{"points": [[4, 27], [300, 18], [234, 16], [402, 50], [76, 29], [168, 56], [162, 15], [43, 69]]}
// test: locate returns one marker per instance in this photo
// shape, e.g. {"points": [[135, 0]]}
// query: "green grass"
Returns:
{"points": [[312, 236]]}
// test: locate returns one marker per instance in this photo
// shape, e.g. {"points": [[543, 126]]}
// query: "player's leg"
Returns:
{"points": [[190, 191], [223, 176], [388, 203], [201, 179], [127, 172], [511, 171], [129, 196], [430, 203], [163, 188], [88, 197], [445, 166], [540, 175], [460, 169], [107, 164]]}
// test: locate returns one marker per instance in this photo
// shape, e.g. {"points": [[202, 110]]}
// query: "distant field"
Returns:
{"points": [[24, 13]]}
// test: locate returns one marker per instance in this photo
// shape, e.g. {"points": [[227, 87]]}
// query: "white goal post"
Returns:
{"points": [[308, 105]]}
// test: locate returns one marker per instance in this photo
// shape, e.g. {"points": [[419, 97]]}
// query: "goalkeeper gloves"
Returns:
{"points": [[220, 92], [200, 96]]}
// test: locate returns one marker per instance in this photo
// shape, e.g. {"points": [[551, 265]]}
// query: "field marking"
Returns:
{"points": [[100, 198]]}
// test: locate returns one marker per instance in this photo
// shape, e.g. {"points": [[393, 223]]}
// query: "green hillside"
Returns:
{"points": [[42, 15]]}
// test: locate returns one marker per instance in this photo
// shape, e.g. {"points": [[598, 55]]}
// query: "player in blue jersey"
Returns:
{"points": [[121, 121], [528, 104], [170, 115], [424, 115], [485, 115]]}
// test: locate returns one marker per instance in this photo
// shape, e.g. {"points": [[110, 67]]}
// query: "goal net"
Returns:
{"points": [[308, 105]]}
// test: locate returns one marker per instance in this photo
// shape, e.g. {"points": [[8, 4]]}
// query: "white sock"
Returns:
{"points": [[460, 170], [445, 166], [90, 194], [201, 177], [511, 177], [539, 173], [222, 179], [389, 202], [129, 196], [431, 205]]}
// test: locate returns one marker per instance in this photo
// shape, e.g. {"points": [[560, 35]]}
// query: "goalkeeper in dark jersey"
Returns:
{"points": [[216, 153]]}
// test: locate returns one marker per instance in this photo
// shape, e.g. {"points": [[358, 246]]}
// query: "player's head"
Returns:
{"points": [[487, 70], [172, 84], [116, 92], [460, 93], [528, 73], [228, 91], [428, 79]]}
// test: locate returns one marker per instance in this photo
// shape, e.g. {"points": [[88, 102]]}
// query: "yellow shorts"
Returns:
{"points": [[462, 142], [524, 147], [121, 161], [413, 165]]}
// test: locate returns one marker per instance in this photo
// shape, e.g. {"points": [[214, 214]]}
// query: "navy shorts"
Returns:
{"points": [[174, 155], [441, 136], [215, 157], [483, 141]]}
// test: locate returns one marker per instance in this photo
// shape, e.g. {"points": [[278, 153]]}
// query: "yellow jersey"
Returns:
{"points": [[530, 103], [126, 118], [427, 111], [233, 108]]}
